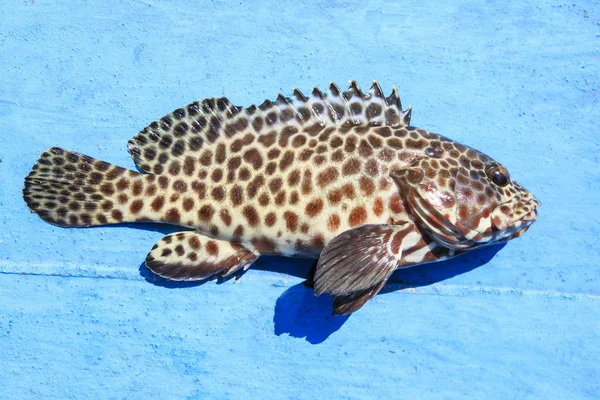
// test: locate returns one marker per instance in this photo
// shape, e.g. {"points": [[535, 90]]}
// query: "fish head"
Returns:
{"points": [[464, 199]]}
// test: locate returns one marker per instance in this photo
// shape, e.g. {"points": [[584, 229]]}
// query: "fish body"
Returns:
{"points": [[338, 176]]}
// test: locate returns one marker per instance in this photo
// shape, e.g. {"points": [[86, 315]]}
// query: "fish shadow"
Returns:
{"points": [[300, 314]]}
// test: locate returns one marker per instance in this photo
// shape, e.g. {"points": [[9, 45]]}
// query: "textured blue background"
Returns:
{"points": [[519, 80]]}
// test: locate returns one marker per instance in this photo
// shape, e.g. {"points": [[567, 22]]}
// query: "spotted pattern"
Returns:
{"points": [[288, 176]]}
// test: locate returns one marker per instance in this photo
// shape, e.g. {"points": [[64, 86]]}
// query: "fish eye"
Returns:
{"points": [[498, 175]]}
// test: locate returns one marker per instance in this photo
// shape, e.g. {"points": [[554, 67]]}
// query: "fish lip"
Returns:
{"points": [[515, 204], [523, 223]]}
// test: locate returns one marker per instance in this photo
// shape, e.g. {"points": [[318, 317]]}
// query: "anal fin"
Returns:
{"points": [[191, 256]]}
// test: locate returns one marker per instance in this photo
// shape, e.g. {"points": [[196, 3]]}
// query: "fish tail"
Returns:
{"points": [[73, 190]]}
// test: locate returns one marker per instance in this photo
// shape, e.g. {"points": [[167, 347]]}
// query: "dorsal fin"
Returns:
{"points": [[200, 125]]}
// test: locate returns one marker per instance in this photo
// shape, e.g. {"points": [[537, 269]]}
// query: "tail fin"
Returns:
{"points": [[69, 189]]}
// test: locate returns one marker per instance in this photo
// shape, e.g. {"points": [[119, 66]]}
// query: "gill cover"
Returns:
{"points": [[432, 199]]}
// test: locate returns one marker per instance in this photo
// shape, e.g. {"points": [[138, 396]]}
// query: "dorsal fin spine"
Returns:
{"points": [[408, 115], [354, 86], [376, 89], [300, 96]]}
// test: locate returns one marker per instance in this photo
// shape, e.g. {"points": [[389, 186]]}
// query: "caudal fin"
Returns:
{"points": [[70, 189]]}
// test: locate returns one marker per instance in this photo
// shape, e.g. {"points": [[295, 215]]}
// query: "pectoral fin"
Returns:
{"points": [[190, 256], [355, 265]]}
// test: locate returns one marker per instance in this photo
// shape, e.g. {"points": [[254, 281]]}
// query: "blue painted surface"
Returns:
{"points": [[519, 80]]}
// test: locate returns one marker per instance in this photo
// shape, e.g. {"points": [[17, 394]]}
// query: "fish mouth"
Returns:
{"points": [[522, 218], [519, 211]]}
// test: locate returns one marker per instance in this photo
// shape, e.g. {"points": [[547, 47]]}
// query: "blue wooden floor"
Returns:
{"points": [[80, 316]]}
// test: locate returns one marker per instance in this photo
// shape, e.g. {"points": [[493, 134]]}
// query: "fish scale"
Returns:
{"points": [[338, 176]]}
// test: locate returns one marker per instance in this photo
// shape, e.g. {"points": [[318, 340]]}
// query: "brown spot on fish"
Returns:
{"points": [[350, 144], [189, 165], [375, 141], [273, 154], [291, 221], [107, 188], [264, 199], [463, 211], [206, 212], [270, 219], [351, 167], [275, 185], [319, 159], [333, 223], [107, 205], [217, 175], [280, 198], [298, 141], [122, 198], [348, 191], [254, 158], [307, 182], [218, 193], [396, 204], [372, 167], [378, 207], [336, 142], [166, 252], [255, 185], [304, 228], [314, 207], [180, 186], [305, 154], [136, 206], [364, 149], [265, 245], [150, 190], [236, 195], [335, 196], [163, 182], [268, 139], [137, 188], [239, 231], [367, 186], [326, 177], [199, 188], [337, 156], [357, 217], [294, 197], [172, 215], [251, 215], [206, 158], [271, 168], [481, 199], [117, 215], [212, 248], [234, 163], [188, 204], [293, 178], [286, 160], [194, 242], [174, 168]]}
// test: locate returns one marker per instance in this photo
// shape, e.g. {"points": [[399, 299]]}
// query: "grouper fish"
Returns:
{"points": [[341, 177]]}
